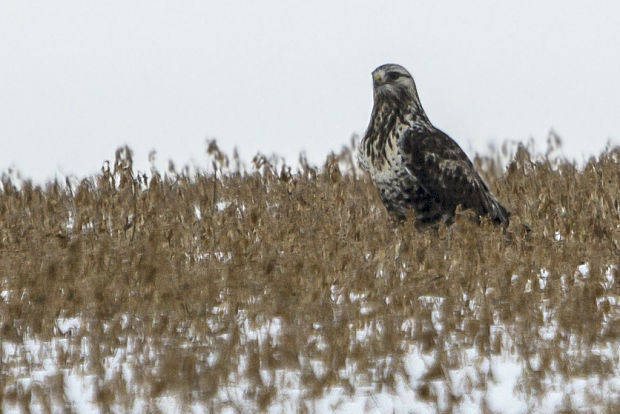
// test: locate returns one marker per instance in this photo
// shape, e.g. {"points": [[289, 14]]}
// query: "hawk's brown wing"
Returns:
{"points": [[444, 170]]}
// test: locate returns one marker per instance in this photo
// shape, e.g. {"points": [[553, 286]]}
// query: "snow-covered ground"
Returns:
{"points": [[484, 381], [489, 382]]}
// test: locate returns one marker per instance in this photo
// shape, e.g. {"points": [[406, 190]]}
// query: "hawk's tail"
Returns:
{"points": [[498, 213]]}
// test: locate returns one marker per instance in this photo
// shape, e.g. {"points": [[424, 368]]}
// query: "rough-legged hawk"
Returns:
{"points": [[414, 165]]}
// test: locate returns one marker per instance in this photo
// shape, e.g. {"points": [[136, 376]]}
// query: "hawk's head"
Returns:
{"points": [[393, 82]]}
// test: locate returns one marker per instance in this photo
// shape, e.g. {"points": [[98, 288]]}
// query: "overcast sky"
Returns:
{"points": [[80, 78]]}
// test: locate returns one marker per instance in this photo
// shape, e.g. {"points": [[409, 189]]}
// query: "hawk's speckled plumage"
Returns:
{"points": [[414, 165]]}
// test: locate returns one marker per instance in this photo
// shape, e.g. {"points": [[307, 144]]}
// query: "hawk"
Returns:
{"points": [[414, 165]]}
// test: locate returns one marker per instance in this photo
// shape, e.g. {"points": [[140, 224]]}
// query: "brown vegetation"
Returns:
{"points": [[200, 281]]}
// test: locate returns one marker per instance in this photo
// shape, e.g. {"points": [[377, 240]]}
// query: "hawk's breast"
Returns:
{"points": [[399, 190]]}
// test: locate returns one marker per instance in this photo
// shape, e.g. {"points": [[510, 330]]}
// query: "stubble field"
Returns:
{"points": [[289, 289]]}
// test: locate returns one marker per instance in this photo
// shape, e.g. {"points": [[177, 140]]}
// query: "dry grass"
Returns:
{"points": [[289, 271]]}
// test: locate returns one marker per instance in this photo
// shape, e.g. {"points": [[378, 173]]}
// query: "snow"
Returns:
{"points": [[80, 393], [501, 395], [492, 381], [584, 269], [222, 205], [69, 325], [503, 374]]}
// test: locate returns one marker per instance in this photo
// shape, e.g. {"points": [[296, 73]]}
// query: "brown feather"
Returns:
{"points": [[415, 166]]}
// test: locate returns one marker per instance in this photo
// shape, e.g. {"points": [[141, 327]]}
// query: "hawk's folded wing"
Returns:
{"points": [[444, 171]]}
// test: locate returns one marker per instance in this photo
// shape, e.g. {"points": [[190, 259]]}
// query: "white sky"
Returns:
{"points": [[78, 79]]}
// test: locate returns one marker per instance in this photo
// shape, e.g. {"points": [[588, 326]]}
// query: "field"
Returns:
{"points": [[289, 289]]}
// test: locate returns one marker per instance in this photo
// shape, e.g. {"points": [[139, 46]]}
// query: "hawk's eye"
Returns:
{"points": [[392, 76]]}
